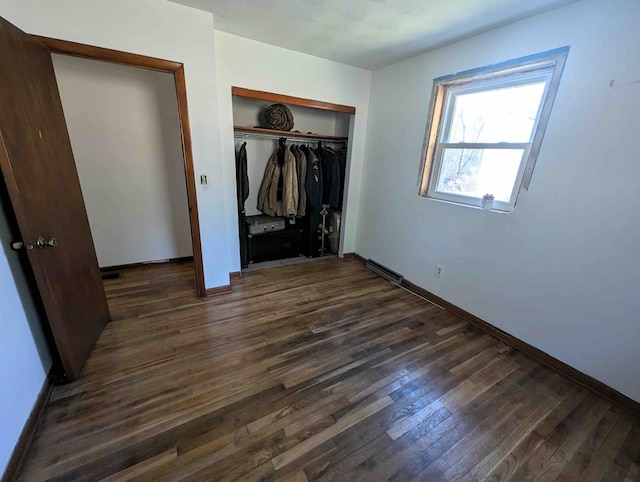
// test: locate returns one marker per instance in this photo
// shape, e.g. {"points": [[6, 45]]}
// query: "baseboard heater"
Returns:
{"points": [[385, 272]]}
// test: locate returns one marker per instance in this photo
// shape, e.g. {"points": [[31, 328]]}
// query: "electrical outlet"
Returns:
{"points": [[439, 270]]}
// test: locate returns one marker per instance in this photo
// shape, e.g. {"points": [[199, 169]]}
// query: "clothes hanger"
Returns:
{"points": [[240, 140], [282, 141]]}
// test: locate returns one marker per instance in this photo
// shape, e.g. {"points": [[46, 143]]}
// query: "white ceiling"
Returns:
{"points": [[365, 33]]}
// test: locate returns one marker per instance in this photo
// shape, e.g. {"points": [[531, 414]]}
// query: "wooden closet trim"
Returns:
{"points": [[287, 99], [115, 56], [177, 69]]}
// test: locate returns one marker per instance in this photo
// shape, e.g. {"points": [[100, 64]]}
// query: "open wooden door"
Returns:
{"points": [[40, 176]]}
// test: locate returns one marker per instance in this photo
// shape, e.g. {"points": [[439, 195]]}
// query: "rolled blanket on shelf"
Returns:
{"points": [[278, 116]]}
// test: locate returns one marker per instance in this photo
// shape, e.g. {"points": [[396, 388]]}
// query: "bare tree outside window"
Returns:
{"points": [[460, 166]]}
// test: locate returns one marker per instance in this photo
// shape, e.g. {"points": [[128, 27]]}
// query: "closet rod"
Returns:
{"points": [[277, 133], [293, 140]]}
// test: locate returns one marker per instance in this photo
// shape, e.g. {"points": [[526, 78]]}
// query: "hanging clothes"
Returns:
{"points": [[242, 177], [278, 195], [342, 164], [330, 176], [301, 170], [313, 181]]}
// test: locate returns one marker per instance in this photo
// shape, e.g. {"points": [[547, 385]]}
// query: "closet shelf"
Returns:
{"points": [[277, 133]]}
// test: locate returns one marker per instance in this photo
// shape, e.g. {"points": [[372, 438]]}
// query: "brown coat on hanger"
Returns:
{"points": [[268, 201]]}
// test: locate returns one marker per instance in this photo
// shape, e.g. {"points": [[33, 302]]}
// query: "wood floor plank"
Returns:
{"points": [[449, 329], [407, 462], [316, 371], [298, 476], [514, 459], [604, 455], [415, 447], [518, 434], [563, 437], [454, 464], [459, 396], [626, 456], [340, 426], [137, 471]]}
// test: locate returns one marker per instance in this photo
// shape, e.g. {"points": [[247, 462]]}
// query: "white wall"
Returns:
{"points": [[254, 65], [24, 357], [169, 31], [125, 132], [562, 272]]}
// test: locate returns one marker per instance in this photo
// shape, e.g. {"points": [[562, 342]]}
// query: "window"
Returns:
{"points": [[485, 130]]}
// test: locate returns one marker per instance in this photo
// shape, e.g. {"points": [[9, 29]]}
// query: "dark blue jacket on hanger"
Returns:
{"points": [[313, 181]]}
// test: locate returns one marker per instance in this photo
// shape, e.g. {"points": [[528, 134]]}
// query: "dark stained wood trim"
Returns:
{"points": [[275, 132], [185, 128], [288, 99], [29, 430], [115, 56], [535, 353], [235, 275], [353, 257], [219, 290], [177, 69], [119, 267]]}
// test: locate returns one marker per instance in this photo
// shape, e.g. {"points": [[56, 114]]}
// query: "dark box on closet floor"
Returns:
{"points": [[274, 245], [264, 224]]}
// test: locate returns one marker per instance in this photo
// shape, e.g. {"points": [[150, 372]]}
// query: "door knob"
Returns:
{"points": [[43, 243], [17, 245]]}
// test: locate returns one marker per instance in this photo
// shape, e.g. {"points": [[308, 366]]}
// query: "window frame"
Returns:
{"points": [[546, 65]]}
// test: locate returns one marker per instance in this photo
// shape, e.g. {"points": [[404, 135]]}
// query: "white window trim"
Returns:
{"points": [[546, 65]]}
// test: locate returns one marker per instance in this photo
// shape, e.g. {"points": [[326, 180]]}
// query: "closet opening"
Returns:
{"points": [[157, 199], [292, 163]]}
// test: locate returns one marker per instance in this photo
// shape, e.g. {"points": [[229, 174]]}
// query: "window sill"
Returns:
{"points": [[469, 206]]}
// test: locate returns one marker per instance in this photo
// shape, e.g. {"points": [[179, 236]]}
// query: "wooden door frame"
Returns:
{"points": [[177, 70]]}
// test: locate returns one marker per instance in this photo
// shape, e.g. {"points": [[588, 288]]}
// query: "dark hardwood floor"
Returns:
{"points": [[316, 371]]}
